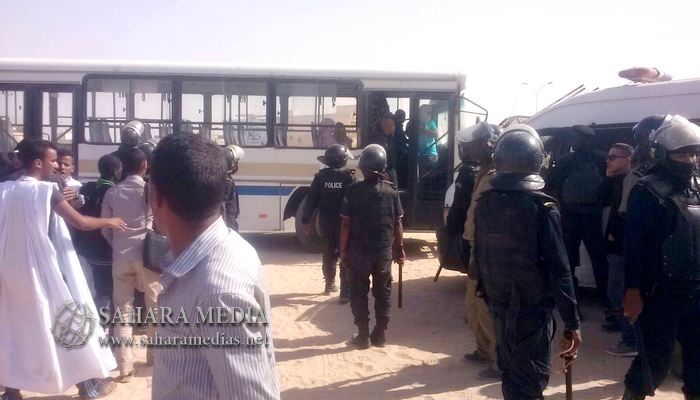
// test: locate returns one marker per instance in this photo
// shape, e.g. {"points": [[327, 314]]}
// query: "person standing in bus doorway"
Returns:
{"points": [[427, 137], [662, 266], [371, 235], [574, 181], [385, 138], [522, 264], [232, 154], [610, 196], [401, 147], [478, 317], [326, 193], [38, 262]]}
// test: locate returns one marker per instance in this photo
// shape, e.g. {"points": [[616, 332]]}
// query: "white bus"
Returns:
{"points": [[274, 114]]}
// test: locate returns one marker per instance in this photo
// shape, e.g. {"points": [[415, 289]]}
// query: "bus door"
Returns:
{"points": [[430, 132], [39, 111]]}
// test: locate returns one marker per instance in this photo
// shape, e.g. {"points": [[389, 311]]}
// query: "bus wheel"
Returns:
{"points": [[311, 242]]}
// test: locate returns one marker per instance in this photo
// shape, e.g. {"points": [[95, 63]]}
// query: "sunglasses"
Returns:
{"points": [[613, 157]]}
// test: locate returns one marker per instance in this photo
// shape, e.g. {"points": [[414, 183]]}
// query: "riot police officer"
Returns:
{"points": [[661, 246], [327, 191], [523, 265], [464, 184], [371, 235], [232, 154], [643, 156]]}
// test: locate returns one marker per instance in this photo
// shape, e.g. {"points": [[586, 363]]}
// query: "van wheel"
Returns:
{"points": [[311, 242]]}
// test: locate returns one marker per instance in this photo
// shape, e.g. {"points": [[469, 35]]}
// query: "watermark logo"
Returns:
{"points": [[73, 324]]}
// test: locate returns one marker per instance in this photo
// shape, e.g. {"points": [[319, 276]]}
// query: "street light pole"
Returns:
{"points": [[537, 93]]}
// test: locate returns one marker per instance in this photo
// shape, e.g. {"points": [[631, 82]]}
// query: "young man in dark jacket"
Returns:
{"points": [[91, 244], [610, 196]]}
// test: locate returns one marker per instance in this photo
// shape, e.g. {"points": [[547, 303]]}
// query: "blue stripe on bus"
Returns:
{"points": [[264, 190]]}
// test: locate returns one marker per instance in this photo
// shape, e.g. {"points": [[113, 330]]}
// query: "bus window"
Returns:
{"points": [[11, 119], [57, 117], [229, 112], [307, 114], [111, 103]]}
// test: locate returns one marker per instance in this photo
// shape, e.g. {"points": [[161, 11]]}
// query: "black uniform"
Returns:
{"points": [[231, 207], [327, 191], [577, 177], [523, 265], [373, 208], [464, 186], [661, 247]]}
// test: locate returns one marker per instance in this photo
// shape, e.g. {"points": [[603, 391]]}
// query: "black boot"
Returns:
{"points": [[377, 336], [629, 395], [331, 287], [361, 338]]}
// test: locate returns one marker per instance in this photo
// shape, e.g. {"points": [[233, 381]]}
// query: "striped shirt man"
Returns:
{"points": [[218, 271]]}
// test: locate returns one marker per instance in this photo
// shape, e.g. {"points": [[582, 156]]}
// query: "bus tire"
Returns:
{"points": [[312, 242]]}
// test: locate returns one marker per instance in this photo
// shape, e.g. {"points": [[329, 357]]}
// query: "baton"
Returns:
{"points": [[646, 369], [567, 369], [444, 256], [400, 282], [569, 385]]}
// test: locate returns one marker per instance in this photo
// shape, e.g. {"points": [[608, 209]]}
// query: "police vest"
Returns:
{"points": [[334, 182], [681, 249], [373, 214], [507, 230]]}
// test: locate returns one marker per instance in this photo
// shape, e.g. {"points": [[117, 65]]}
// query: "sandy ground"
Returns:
{"points": [[427, 338]]}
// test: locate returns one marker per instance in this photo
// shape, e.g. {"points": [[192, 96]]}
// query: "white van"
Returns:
{"points": [[611, 113]]}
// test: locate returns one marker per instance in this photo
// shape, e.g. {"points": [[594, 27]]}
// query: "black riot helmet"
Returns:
{"points": [[131, 134], [147, 149], [469, 135], [518, 155], [373, 158], [676, 133], [646, 126], [336, 156]]}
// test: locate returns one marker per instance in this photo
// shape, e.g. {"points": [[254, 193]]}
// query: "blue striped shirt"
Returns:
{"points": [[218, 269]]}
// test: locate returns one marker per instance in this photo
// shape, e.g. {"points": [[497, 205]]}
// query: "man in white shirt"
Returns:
{"points": [[127, 200]]}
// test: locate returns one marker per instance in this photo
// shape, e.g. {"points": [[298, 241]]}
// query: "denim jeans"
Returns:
{"points": [[666, 317], [616, 291]]}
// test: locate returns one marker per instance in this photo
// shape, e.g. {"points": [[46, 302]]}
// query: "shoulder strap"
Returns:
{"points": [[659, 187]]}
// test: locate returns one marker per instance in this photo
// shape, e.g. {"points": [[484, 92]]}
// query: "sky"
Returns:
{"points": [[499, 45]]}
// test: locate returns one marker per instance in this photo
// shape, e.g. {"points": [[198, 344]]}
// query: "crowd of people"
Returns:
{"points": [[636, 210], [183, 189]]}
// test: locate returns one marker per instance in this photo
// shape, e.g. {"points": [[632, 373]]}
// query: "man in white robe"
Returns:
{"points": [[39, 276]]}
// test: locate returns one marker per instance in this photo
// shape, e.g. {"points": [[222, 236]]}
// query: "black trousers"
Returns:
{"points": [[330, 232], [588, 228], [362, 265], [103, 283], [666, 317], [523, 346]]}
